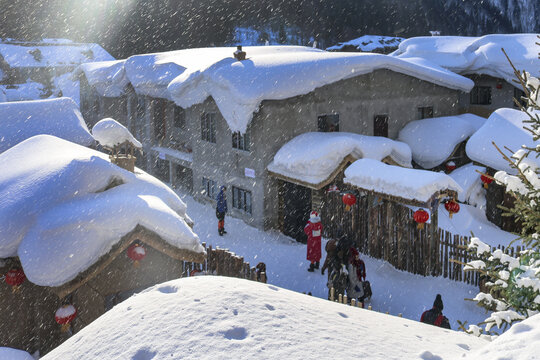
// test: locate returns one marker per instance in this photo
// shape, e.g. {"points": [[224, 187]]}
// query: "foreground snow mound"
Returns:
{"points": [[14, 354], [506, 128], [312, 157], [521, 342], [63, 206], [433, 140], [59, 117], [209, 317]]}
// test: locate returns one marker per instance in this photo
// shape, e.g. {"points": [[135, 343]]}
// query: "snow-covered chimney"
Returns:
{"points": [[239, 54], [435, 32]]}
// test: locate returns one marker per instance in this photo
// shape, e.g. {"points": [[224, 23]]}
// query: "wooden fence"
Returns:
{"points": [[225, 263]]}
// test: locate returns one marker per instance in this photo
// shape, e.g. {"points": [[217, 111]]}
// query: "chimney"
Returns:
{"points": [[239, 54], [435, 33]]}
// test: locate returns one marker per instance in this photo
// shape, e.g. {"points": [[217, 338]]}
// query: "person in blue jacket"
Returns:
{"points": [[221, 209]]}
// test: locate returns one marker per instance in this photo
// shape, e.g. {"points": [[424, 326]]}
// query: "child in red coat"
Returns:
{"points": [[313, 230]]}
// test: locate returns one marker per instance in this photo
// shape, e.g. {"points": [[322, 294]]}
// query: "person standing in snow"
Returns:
{"points": [[336, 258], [357, 275], [221, 210], [435, 316], [313, 230]]}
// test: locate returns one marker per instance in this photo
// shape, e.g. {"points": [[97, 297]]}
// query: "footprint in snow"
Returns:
{"points": [[236, 333]]}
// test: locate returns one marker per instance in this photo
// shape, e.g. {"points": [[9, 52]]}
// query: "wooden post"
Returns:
{"points": [[369, 307], [400, 315], [332, 294], [340, 298], [353, 302], [345, 300], [433, 243]]}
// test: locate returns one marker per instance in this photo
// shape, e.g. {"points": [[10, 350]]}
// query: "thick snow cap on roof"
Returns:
{"points": [[476, 55], [56, 215], [40, 54], [268, 73], [107, 77], [397, 181], [59, 117], [312, 157], [433, 140], [468, 178], [368, 43], [504, 127], [110, 133], [179, 320]]}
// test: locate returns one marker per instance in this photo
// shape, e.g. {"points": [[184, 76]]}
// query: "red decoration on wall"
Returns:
{"points": [[499, 85], [136, 252], [452, 207], [486, 180], [450, 166], [349, 200], [421, 216], [65, 315], [15, 278]]}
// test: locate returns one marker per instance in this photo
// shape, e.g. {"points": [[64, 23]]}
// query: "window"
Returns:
{"points": [[208, 127], [425, 112], [179, 117], [209, 188], [162, 170], [240, 141], [481, 95], [328, 122], [518, 95], [160, 120], [241, 199], [380, 125]]}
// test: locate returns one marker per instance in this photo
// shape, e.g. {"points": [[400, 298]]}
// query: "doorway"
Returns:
{"points": [[296, 206]]}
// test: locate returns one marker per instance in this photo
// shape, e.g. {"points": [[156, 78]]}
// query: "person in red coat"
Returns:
{"points": [[313, 230]]}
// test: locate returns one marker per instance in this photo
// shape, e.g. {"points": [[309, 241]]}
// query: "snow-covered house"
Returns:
{"points": [[369, 43], [504, 128], [482, 60], [46, 66], [207, 119], [60, 117], [67, 217]]}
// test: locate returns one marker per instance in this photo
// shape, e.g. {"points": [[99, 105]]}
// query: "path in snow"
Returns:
{"points": [[393, 291]]}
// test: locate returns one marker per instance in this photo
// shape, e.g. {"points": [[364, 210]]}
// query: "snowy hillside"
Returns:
{"points": [[219, 317]]}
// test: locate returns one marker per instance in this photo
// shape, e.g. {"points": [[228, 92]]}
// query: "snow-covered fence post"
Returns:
{"points": [[353, 302], [369, 307], [332, 294], [345, 299], [340, 298]]}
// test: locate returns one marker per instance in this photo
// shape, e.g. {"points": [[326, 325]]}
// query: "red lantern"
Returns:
{"points": [[349, 200], [499, 85], [452, 207], [65, 315], [486, 180], [450, 166], [136, 252], [421, 216], [15, 278]]}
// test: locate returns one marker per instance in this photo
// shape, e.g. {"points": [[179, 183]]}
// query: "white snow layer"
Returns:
{"points": [[468, 178], [504, 127], [107, 77], [368, 43], [110, 133], [433, 140], [59, 117], [181, 319], [397, 181], [476, 55], [312, 157], [57, 217], [14, 354], [23, 92], [519, 343]]}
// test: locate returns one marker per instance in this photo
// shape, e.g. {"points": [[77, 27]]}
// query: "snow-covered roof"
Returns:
{"points": [[14, 354], [56, 215], [476, 55], [468, 178], [397, 181], [107, 77], [312, 157], [269, 73], [23, 92], [59, 117], [110, 133], [368, 43], [504, 127], [57, 54], [433, 140], [252, 320]]}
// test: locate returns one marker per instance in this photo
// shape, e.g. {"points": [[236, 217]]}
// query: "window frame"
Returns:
{"points": [[208, 127], [241, 141], [478, 93], [242, 200], [375, 128], [209, 188], [324, 121], [425, 112], [179, 122]]}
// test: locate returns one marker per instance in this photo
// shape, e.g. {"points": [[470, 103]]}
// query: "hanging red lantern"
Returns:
{"points": [[499, 85], [15, 278], [421, 216], [486, 180], [452, 207], [65, 315], [450, 166], [349, 200], [136, 252]]}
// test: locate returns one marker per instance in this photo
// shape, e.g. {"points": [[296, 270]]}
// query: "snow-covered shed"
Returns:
{"points": [[369, 43], [60, 117], [67, 217], [481, 59], [434, 141]]}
